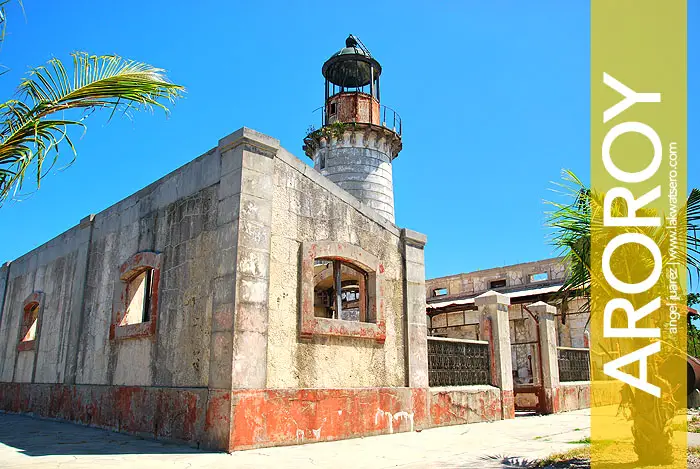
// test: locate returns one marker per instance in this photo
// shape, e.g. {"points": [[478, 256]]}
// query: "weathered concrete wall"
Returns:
{"points": [[191, 217], [416, 340], [494, 327], [177, 216], [56, 268], [359, 161], [573, 396], [276, 417], [514, 275], [164, 413], [573, 331], [78, 273], [464, 404], [307, 207], [4, 273]]}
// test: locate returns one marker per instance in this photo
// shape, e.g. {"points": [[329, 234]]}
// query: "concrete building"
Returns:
{"points": [[187, 310], [453, 313]]}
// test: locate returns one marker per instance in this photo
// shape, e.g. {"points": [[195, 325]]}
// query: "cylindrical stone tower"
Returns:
{"points": [[359, 137]]}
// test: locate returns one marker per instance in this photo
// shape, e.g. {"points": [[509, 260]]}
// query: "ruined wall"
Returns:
{"points": [[573, 331], [514, 275], [573, 396], [462, 325], [458, 405], [306, 208]]}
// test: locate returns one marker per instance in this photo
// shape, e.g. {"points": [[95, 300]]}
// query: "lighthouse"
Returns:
{"points": [[359, 137]]}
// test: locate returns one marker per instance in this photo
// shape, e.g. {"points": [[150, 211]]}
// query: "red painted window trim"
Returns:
{"points": [[346, 252], [133, 266], [24, 345]]}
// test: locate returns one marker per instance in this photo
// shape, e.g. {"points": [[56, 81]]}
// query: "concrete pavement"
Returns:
{"points": [[26, 442]]}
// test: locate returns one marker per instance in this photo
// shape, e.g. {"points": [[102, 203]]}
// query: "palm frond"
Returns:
{"points": [[574, 221], [3, 19], [107, 80], [571, 223], [28, 131], [3, 22], [692, 220]]}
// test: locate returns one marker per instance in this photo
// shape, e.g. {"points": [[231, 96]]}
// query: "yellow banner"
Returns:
{"points": [[638, 233]]}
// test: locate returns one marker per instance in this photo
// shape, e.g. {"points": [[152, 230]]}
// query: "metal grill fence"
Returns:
{"points": [[574, 364], [457, 362]]}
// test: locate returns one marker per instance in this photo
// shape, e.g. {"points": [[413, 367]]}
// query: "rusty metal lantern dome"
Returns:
{"points": [[352, 67], [352, 89]]}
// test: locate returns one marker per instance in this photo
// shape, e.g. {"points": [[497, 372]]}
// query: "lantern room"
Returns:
{"points": [[352, 85]]}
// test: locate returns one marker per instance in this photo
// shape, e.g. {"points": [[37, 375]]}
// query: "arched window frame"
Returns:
{"points": [[36, 297], [136, 264], [359, 258]]}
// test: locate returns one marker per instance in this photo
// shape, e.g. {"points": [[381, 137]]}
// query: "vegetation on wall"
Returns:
{"points": [[334, 130]]}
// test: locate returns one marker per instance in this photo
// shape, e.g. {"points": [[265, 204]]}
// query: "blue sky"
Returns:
{"points": [[494, 98]]}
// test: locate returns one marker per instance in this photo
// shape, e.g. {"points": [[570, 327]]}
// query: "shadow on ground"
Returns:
{"points": [[40, 437], [519, 463]]}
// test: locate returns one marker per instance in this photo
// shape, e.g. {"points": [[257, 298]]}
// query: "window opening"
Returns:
{"points": [[340, 291]]}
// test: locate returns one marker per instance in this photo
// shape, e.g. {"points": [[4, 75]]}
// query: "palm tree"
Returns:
{"points": [[34, 125], [572, 223]]}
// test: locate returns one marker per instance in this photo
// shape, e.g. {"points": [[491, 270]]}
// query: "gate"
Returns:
{"points": [[526, 353]]}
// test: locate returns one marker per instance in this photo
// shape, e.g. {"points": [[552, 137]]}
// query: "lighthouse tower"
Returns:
{"points": [[359, 137]]}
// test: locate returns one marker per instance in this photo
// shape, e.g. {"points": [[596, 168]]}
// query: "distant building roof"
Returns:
{"points": [[500, 268], [433, 305]]}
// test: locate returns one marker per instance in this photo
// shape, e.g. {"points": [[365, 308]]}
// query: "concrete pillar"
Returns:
{"points": [[494, 326], [4, 275], [83, 270], [238, 350], [253, 261], [416, 340], [548, 349]]}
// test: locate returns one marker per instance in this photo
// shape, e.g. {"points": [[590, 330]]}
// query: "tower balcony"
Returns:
{"points": [[361, 108]]}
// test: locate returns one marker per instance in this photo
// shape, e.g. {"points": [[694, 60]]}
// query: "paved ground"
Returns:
{"points": [[26, 442]]}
